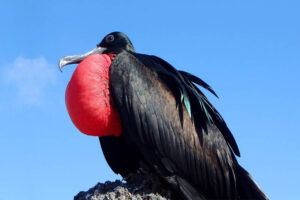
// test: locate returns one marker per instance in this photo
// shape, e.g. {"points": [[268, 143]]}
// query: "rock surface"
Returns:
{"points": [[116, 191], [138, 188]]}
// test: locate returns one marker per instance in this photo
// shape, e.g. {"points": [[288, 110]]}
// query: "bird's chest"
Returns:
{"points": [[88, 99]]}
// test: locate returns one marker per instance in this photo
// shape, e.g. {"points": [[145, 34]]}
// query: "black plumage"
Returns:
{"points": [[169, 125]]}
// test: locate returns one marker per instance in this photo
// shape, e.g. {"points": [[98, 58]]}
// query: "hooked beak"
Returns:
{"points": [[67, 60]]}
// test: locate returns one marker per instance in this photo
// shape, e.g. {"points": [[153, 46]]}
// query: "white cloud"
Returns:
{"points": [[29, 79]]}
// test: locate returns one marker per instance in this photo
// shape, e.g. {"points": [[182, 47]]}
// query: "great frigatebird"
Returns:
{"points": [[146, 112]]}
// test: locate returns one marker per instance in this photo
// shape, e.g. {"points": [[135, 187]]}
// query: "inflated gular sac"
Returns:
{"points": [[88, 99]]}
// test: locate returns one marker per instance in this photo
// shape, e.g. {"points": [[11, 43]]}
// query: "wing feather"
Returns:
{"points": [[150, 117]]}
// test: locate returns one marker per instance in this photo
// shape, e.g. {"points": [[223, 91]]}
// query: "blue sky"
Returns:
{"points": [[247, 51]]}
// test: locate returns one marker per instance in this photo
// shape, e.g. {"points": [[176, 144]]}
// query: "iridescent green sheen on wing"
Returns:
{"points": [[188, 94]]}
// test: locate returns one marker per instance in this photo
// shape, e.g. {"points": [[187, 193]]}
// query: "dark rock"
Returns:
{"points": [[137, 187]]}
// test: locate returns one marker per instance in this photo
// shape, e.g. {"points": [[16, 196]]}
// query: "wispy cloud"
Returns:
{"points": [[29, 78]]}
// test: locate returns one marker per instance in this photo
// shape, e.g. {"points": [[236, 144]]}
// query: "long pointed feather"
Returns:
{"points": [[199, 81]]}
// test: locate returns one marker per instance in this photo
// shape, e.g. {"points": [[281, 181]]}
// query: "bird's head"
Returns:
{"points": [[88, 97], [112, 43], [115, 42]]}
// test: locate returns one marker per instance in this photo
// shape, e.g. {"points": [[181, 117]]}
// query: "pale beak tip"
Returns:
{"points": [[61, 64]]}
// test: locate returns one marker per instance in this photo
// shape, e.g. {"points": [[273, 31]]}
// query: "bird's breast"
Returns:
{"points": [[88, 98]]}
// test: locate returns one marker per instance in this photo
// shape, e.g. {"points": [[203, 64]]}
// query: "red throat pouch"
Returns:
{"points": [[88, 99]]}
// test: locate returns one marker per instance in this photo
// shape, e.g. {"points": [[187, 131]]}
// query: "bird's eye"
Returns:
{"points": [[110, 38]]}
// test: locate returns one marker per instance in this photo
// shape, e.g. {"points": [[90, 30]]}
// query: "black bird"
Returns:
{"points": [[167, 123]]}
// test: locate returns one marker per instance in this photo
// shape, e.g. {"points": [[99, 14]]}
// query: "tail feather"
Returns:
{"points": [[247, 188]]}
